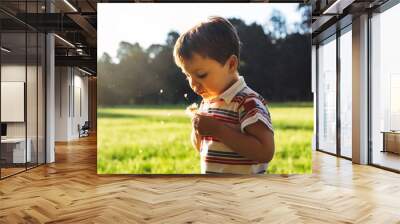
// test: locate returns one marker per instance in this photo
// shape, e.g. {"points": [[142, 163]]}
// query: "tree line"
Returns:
{"points": [[275, 63]]}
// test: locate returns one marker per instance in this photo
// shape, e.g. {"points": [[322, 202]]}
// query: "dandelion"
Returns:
{"points": [[192, 109]]}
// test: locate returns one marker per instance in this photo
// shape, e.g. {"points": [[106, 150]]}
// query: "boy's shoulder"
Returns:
{"points": [[245, 94]]}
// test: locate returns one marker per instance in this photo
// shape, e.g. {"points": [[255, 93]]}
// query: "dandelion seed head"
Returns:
{"points": [[192, 109]]}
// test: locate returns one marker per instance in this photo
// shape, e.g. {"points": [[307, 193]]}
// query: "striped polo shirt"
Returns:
{"points": [[239, 106]]}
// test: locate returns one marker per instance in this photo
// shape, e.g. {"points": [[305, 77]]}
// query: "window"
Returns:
{"points": [[327, 96], [346, 93], [23, 87], [385, 88]]}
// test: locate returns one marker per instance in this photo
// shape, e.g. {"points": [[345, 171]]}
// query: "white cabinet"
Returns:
{"points": [[18, 149]]}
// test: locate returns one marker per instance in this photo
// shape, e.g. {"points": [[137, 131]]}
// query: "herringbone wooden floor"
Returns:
{"points": [[70, 191]]}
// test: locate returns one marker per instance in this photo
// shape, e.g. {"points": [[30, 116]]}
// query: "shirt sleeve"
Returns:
{"points": [[253, 109]]}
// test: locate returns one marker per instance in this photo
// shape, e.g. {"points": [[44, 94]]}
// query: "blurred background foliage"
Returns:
{"points": [[275, 63]]}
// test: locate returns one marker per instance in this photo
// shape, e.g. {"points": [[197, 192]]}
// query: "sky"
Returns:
{"points": [[149, 23]]}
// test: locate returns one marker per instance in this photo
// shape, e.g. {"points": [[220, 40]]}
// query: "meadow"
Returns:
{"points": [[150, 139]]}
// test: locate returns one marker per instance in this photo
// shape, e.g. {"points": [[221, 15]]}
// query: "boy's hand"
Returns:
{"points": [[206, 125], [195, 136], [193, 125]]}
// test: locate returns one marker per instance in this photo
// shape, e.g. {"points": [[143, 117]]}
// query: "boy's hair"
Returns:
{"points": [[215, 38]]}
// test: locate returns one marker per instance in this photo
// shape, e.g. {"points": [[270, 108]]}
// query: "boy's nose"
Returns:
{"points": [[196, 87]]}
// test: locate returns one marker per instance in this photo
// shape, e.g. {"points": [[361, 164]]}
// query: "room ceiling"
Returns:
{"points": [[74, 22], [326, 13]]}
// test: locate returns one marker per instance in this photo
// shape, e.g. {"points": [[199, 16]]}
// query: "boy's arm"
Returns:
{"points": [[257, 143], [254, 140]]}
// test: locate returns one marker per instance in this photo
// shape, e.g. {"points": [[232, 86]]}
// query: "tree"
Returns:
{"points": [[304, 27], [172, 37], [106, 87], [274, 63], [276, 27]]}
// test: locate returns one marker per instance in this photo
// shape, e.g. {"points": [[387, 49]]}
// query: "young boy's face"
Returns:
{"points": [[206, 76]]}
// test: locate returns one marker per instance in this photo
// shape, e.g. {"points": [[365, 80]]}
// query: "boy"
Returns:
{"points": [[232, 130]]}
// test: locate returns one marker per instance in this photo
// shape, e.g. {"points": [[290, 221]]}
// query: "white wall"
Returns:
{"points": [[80, 83], [62, 81], [12, 73], [33, 126], [71, 87]]}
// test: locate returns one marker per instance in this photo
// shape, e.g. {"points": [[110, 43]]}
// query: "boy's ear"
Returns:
{"points": [[233, 62]]}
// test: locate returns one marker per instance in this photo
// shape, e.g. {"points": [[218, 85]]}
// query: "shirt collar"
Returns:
{"points": [[231, 92]]}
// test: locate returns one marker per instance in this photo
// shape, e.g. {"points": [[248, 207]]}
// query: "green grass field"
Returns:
{"points": [[155, 140]]}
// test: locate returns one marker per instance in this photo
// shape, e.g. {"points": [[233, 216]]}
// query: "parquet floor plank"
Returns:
{"points": [[70, 191]]}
